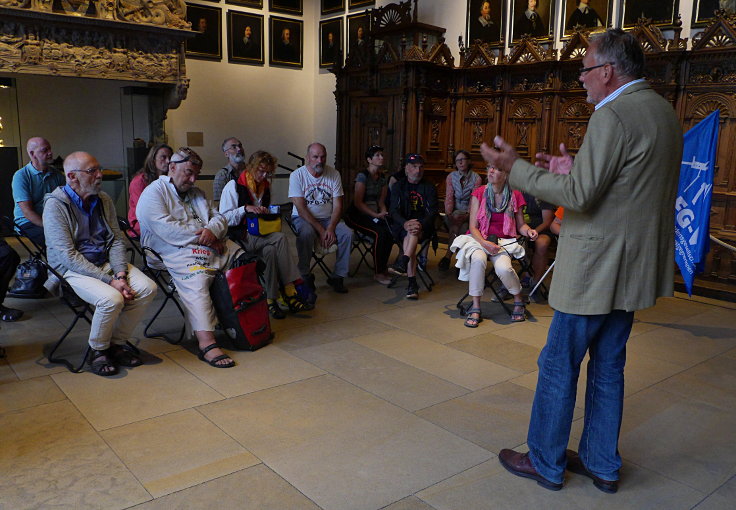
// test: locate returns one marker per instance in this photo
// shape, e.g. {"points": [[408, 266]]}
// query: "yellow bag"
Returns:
{"points": [[263, 224]]}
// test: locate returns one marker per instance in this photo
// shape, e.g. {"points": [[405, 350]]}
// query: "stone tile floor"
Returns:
{"points": [[369, 401]]}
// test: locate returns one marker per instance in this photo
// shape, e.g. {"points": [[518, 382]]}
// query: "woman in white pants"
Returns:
{"points": [[496, 218]]}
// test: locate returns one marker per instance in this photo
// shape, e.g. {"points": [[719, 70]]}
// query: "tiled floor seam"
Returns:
{"points": [[712, 493]]}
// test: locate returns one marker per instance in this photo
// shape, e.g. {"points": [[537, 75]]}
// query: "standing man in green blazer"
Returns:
{"points": [[615, 256]]}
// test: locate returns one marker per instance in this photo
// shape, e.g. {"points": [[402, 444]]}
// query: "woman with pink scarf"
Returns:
{"points": [[496, 218]]}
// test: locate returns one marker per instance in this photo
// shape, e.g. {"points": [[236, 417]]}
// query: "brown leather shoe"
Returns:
{"points": [[575, 464], [520, 465]]}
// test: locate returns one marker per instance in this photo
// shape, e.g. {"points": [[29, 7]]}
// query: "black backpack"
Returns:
{"points": [[29, 279]]}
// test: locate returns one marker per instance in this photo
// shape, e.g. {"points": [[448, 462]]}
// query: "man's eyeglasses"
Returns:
{"points": [[186, 154], [235, 146], [89, 171], [586, 69], [461, 159]]}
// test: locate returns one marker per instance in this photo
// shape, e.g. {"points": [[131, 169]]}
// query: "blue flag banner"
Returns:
{"points": [[692, 207]]}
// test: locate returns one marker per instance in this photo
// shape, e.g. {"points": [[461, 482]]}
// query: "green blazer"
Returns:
{"points": [[616, 249]]}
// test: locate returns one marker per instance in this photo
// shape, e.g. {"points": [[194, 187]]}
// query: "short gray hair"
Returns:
{"points": [[621, 49]]}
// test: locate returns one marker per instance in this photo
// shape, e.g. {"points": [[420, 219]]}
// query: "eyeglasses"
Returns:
{"points": [[457, 160], [190, 156], [235, 146], [586, 69], [89, 171]]}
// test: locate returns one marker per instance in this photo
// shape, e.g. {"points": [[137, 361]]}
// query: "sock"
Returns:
{"points": [[290, 289], [413, 279]]}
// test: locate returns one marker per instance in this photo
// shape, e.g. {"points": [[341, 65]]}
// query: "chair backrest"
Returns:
{"points": [[134, 240], [34, 250]]}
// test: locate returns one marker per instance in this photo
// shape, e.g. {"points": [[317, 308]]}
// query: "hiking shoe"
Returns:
{"points": [[399, 267], [412, 291], [337, 284]]}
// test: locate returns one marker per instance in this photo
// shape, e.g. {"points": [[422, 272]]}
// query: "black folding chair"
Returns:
{"points": [[364, 244], [493, 282], [133, 240], [422, 257], [157, 271], [318, 257], [33, 249], [82, 310]]}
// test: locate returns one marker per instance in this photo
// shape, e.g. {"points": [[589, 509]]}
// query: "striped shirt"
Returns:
{"points": [[613, 95]]}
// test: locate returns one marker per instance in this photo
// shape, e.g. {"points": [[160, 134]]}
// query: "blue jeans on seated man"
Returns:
{"points": [[306, 237], [570, 336]]}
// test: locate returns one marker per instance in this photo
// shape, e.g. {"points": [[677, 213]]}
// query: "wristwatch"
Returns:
{"points": [[123, 277]]}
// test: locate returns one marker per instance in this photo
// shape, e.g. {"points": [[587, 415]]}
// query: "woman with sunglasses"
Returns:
{"points": [[496, 218], [368, 213]]}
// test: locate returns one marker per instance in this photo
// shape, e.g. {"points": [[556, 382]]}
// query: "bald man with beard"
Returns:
{"points": [[86, 247]]}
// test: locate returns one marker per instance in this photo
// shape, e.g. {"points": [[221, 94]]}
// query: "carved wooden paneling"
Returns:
{"points": [[535, 101], [573, 114], [523, 125]]}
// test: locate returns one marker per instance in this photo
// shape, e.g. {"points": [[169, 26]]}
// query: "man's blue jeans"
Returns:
{"points": [[570, 336]]}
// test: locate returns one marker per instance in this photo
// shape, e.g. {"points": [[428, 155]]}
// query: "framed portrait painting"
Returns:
{"points": [[358, 26], [207, 23], [704, 10], [244, 38], [531, 17], [588, 14], [486, 20], [661, 12], [330, 42], [286, 6], [330, 6], [258, 4], [285, 41], [360, 3]]}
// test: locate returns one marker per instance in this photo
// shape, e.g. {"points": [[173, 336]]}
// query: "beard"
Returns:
{"points": [[318, 168], [237, 159]]}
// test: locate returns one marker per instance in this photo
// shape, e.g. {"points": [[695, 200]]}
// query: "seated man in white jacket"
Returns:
{"points": [[190, 235]]}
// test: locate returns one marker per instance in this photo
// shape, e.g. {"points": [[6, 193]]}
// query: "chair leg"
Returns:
{"points": [[148, 334], [71, 367]]}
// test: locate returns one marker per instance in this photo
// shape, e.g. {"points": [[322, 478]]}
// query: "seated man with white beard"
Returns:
{"points": [[84, 244], [235, 154], [316, 191]]}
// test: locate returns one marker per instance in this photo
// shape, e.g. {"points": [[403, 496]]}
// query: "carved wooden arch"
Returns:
{"points": [[477, 55], [706, 104], [576, 108], [528, 50], [649, 36], [525, 109], [720, 33], [478, 109], [391, 16], [414, 52], [576, 46], [441, 55]]}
